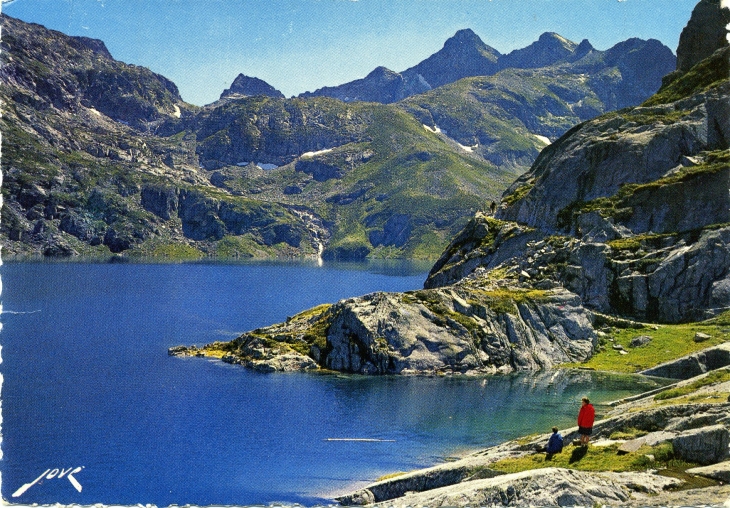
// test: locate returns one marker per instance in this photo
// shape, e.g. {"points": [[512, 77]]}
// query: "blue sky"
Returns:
{"points": [[302, 45]]}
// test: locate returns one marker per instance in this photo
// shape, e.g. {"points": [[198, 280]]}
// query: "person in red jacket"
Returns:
{"points": [[586, 416]]}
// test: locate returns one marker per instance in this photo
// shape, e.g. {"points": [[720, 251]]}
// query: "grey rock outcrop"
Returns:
{"points": [[719, 471], [597, 158], [541, 487], [435, 331], [418, 481], [668, 278], [693, 364], [456, 330], [706, 445]]}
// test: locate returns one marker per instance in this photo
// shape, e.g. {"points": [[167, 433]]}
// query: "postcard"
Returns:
{"points": [[365, 252]]}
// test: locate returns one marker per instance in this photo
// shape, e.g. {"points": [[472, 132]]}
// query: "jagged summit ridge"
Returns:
{"points": [[466, 55]]}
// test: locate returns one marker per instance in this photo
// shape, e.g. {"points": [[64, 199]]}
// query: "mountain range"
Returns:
{"points": [[102, 157], [637, 67]]}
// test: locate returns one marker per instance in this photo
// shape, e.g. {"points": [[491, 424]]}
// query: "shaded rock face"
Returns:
{"points": [[641, 64], [396, 231], [320, 171], [84, 228], [250, 86], [705, 32], [346, 253], [162, 201]]}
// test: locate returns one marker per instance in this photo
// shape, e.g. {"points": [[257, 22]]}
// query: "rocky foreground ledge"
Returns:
{"points": [[670, 448]]}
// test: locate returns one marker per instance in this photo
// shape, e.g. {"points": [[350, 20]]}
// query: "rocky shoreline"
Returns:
{"points": [[695, 433]]}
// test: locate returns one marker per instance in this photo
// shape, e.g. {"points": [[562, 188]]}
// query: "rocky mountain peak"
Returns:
{"points": [[250, 86], [547, 50], [554, 39], [705, 33], [381, 72], [582, 49], [464, 36], [467, 44], [464, 54]]}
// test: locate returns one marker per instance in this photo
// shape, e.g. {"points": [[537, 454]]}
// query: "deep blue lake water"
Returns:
{"points": [[88, 385]]}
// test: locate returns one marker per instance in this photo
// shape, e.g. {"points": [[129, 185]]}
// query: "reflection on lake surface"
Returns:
{"points": [[88, 383]]}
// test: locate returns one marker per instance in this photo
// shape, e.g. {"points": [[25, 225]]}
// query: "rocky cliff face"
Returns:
{"points": [[665, 278], [617, 156], [82, 74]]}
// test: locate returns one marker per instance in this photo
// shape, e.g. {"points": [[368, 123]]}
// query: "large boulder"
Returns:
{"points": [[720, 471]]}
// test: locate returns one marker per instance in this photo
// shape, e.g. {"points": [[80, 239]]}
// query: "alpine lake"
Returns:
{"points": [[95, 411]]}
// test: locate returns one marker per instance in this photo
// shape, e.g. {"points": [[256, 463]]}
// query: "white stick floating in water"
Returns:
{"points": [[360, 439]]}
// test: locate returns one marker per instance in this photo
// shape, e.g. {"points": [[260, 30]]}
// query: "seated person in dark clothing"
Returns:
{"points": [[555, 443]]}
